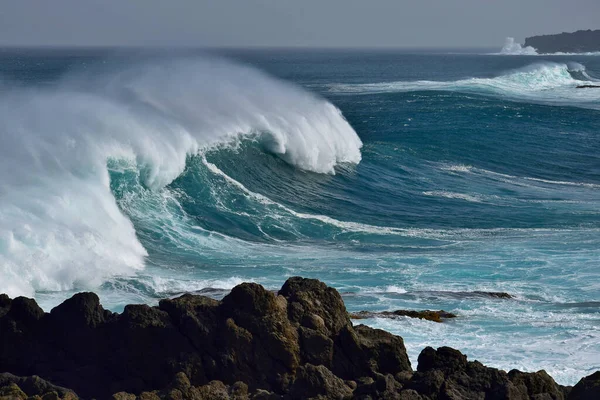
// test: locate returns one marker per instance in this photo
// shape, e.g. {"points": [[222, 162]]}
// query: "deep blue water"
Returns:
{"points": [[405, 180]]}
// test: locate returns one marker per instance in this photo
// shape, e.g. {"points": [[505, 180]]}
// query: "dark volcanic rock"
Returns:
{"points": [[498, 295], [253, 336], [587, 388], [576, 42], [435, 316], [32, 386], [588, 87], [314, 305], [260, 343], [445, 373], [314, 382], [254, 344]]}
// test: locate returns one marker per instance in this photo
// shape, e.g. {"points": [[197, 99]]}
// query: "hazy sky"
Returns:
{"points": [[322, 23]]}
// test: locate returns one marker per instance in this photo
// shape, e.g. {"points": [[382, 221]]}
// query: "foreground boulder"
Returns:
{"points": [[266, 340], [254, 344]]}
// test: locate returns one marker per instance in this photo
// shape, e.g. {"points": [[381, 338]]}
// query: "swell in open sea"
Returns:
{"points": [[405, 180]]}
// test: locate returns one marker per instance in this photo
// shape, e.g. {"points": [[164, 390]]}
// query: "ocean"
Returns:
{"points": [[406, 179]]}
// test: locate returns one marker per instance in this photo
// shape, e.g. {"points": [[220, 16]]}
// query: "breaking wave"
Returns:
{"points": [[545, 82], [61, 226]]}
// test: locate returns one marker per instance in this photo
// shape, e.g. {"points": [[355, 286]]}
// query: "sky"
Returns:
{"points": [[287, 23]]}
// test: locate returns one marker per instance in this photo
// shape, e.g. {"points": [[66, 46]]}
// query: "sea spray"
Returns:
{"points": [[60, 226], [513, 48]]}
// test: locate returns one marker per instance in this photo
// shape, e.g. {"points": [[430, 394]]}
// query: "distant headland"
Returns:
{"points": [[576, 42]]}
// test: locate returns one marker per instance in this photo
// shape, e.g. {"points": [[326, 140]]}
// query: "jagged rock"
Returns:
{"points": [[536, 384], [445, 373], [25, 311], [215, 390], [384, 352], [257, 321], [435, 316], [148, 396], [12, 392], [265, 395], [317, 382], [35, 386], [316, 348], [409, 394], [587, 388], [238, 391], [445, 359], [123, 396], [83, 310], [297, 343], [314, 305], [364, 351]]}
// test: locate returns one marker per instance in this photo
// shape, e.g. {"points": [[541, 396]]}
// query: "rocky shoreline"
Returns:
{"points": [[298, 343]]}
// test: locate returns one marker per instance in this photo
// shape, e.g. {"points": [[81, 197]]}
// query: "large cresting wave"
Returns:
{"points": [[60, 225], [545, 82]]}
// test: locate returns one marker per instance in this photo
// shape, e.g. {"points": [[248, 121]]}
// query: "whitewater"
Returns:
{"points": [[57, 210], [405, 180], [543, 82]]}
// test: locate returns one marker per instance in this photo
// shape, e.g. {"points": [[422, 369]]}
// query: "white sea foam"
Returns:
{"points": [[453, 195], [395, 289], [177, 285], [451, 235], [545, 82], [513, 48], [60, 226], [534, 345], [457, 168], [508, 178]]}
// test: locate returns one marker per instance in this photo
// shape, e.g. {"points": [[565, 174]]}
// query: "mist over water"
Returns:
{"points": [[513, 48], [406, 181]]}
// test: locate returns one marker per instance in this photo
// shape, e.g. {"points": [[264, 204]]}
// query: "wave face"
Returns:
{"points": [[57, 210], [143, 176], [543, 82]]}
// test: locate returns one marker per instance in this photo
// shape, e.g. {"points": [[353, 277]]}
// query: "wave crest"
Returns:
{"points": [[60, 225]]}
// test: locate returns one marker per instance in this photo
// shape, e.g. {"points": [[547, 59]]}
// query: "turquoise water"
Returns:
{"points": [[405, 180]]}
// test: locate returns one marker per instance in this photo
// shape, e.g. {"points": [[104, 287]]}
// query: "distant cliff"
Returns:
{"points": [[576, 42]]}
